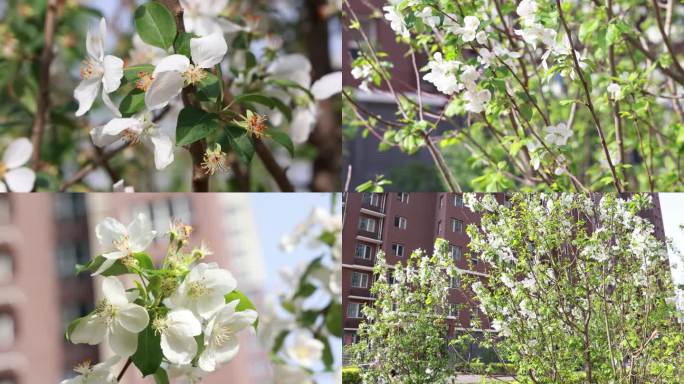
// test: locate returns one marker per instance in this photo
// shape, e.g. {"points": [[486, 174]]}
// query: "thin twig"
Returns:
{"points": [[43, 102], [123, 370], [272, 166]]}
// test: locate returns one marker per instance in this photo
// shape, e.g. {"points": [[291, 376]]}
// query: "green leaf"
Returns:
{"points": [[160, 377], [284, 83], [144, 260], [116, 269], [195, 124], [209, 89], [254, 98], [132, 73], [132, 103], [182, 44], [279, 340], [283, 139], [328, 358], [244, 304], [240, 142], [333, 319], [148, 357], [71, 327], [155, 25]]}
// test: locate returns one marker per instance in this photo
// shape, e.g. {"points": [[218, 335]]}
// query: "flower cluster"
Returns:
{"points": [[181, 319], [300, 326]]}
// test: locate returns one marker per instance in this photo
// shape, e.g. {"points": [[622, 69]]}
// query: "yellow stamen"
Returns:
{"points": [[144, 81], [194, 75]]}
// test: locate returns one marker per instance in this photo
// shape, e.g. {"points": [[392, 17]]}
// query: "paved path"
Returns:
{"points": [[477, 379]]}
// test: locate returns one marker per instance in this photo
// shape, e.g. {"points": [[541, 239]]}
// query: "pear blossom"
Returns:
{"points": [[558, 134], [428, 17], [364, 73], [98, 71], [469, 76], [302, 348], [120, 241], [120, 186], [526, 10], [116, 319], [615, 91], [477, 100], [203, 290], [94, 374], [143, 53], [178, 330], [14, 176], [469, 29], [133, 130], [442, 74], [203, 17], [481, 37], [186, 374], [174, 72], [220, 336], [396, 21]]}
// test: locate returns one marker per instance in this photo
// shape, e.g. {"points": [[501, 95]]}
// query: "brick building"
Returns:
{"points": [[43, 236], [398, 224]]}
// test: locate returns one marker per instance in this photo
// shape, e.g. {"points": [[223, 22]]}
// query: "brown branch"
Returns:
{"points": [[91, 166], [272, 166], [123, 370], [43, 103]]}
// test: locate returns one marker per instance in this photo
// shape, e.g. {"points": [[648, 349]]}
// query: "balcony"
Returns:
{"points": [[368, 235]]}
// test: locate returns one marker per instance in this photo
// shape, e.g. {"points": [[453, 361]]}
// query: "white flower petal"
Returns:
{"points": [[164, 87], [209, 50], [207, 362], [176, 63], [328, 85], [90, 330], [221, 280], [20, 179], [123, 342], [133, 317], [3, 187], [295, 67], [140, 233], [303, 122], [17, 153], [109, 230], [86, 93], [95, 41], [100, 139], [178, 348], [208, 304], [227, 350], [113, 72], [184, 322], [116, 126], [113, 291], [163, 150], [110, 104]]}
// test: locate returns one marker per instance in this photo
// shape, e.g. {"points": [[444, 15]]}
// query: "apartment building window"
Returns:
{"points": [[367, 224], [455, 252], [455, 282], [372, 199], [6, 267], [7, 329], [458, 201], [400, 222], [456, 226], [364, 251], [403, 197], [441, 201], [354, 310], [398, 250], [454, 310], [359, 280], [390, 278], [439, 227], [474, 260], [4, 210]]}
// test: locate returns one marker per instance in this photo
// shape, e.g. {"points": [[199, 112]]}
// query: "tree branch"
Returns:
{"points": [[272, 166], [123, 370], [43, 102]]}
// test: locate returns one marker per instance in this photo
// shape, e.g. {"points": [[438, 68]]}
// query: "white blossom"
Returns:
{"points": [[203, 290], [477, 99], [203, 17], [469, 29], [14, 176], [396, 21], [302, 348], [558, 134], [526, 10], [442, 74], [119, 241], [615, 91], [178, 330], [94, 374]]}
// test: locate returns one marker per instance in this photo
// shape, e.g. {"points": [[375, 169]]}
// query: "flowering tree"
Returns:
{"points": [[578, 289], [301, 324], [403, 339], [219, 79], [179, 321], [537, 95]]}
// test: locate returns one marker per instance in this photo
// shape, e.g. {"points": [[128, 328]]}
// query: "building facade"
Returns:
{"points": [[398, 224]]}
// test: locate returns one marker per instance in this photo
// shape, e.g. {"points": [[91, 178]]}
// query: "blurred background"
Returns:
{"points": [[308, 27], [43, 236]]}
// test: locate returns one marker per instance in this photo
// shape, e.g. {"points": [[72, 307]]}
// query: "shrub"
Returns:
{"points": [[351, 375]]}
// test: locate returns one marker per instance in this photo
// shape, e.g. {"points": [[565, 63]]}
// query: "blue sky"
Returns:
{"points": [[672, 206]]}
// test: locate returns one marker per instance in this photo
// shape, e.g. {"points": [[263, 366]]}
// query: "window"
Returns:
{"points": [[455, 252], [403, 197], [454, 310], [67, 257], [359, 280], [6, 267], [458, 201], [372, 199], [6, 330], [400, 222], [398, 250], [390, 278], [474, 259], [441, 201], [4, 210], [354, 310], [367, 224], [364, 251], [456, 226], [439, 227], [455, 282], [349, 338]]}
